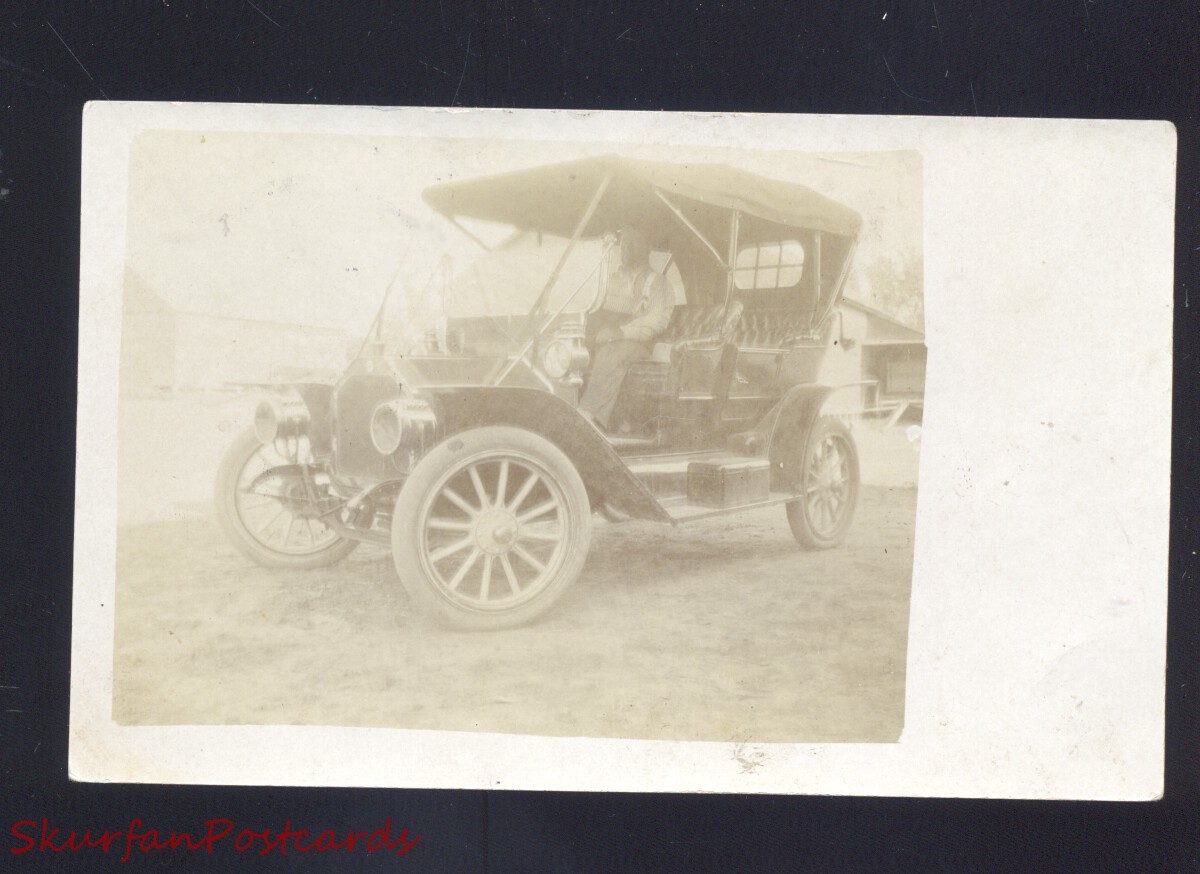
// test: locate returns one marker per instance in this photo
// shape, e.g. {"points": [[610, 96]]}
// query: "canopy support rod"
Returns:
{"points": [[691, 227], [507, 368], [735, 224], [454, 221], [550, 283], [817, 237], [836, 292], [579, 229]]}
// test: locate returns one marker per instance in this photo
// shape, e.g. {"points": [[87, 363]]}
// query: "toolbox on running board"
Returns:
{"points": [[728, 482]]}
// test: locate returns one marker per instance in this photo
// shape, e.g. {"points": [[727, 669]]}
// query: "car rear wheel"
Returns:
{"points": [[491, 528], [828, 484], [268, 512]]}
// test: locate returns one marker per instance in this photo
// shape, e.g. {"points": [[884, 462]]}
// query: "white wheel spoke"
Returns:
{"points": [[495, 543], [485, 582], [540, 510], [262, 529], [529, 559], [502, 484], [261, 499], [447, 551], [453, 497], [462, 571], [440, 524], [510, 574], [524, 492], [539, 534], [275, 514], [473, 471]]}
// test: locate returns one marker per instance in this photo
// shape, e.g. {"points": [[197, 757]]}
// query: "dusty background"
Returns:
{"points": [[718, 630]]}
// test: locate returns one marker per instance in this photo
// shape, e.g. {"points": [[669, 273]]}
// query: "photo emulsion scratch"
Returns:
{"points": [[565, 439]]}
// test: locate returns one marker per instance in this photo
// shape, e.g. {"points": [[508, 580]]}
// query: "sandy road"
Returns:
{"points": [[719, 630]]}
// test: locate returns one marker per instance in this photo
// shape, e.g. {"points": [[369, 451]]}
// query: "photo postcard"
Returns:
{"points": [[622, 451]]}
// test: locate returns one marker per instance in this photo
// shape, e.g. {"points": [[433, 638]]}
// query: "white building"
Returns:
{"points": [[166, 348], [885, 357]]}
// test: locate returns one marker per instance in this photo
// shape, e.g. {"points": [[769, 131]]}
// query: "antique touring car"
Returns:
{"points": [[468, 455]]}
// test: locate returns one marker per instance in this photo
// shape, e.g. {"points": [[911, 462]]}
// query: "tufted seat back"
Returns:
{"points": [[693, 324], [771, 328]]}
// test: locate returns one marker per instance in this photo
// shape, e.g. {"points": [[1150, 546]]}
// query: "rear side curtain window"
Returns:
{"points": [[770, 265]]}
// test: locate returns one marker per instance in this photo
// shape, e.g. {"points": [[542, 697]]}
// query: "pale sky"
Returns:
{"points": [[310, 229]]}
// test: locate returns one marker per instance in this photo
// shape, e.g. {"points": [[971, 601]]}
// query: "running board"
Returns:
{"points": [[619, 441], [668, 465], [666, 475], [680, 511]]}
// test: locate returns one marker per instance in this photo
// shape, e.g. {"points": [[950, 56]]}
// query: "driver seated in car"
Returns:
{"points": [[637, 308]]}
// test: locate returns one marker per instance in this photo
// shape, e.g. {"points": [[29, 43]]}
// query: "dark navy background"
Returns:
{"points": [[1090, 58]]}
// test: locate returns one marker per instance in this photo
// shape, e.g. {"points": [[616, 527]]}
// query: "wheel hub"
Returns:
{"points": [[496, 531], [294, 496], [828, 479]]}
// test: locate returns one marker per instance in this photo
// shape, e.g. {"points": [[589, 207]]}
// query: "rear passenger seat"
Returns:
{"points": [[771, 328], [707, 329], [695, 325]]}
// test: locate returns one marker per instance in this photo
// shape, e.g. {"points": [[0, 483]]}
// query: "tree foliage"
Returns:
{"points": [[896, 285]]}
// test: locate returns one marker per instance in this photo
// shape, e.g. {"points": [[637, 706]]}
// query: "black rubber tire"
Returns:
{"points": [[432, 476], [809, 531], [236, 458]]}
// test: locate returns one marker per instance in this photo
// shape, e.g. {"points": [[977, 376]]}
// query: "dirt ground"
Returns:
{"points": [[719, 630]]}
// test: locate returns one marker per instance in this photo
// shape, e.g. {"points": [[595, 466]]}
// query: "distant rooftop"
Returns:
{"points": [[884, 329]]}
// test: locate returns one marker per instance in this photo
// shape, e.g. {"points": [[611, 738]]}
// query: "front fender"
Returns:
{"points": [[602, 470]]}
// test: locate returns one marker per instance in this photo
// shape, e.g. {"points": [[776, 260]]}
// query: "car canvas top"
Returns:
{"points": [[553, 197]]}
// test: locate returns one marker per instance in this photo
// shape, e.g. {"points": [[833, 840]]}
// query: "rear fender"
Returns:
{"points": [[787, 427], [602, 470]]}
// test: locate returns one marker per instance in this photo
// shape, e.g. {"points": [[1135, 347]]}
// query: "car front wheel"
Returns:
{"points": [[829, 480], [490, 529], [270, 513]]}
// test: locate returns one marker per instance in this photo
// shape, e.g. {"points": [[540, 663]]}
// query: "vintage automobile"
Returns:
{"points": [[468, 455]]}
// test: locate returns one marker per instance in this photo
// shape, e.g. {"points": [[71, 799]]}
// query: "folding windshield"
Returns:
{"points": [[508, 280]]}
